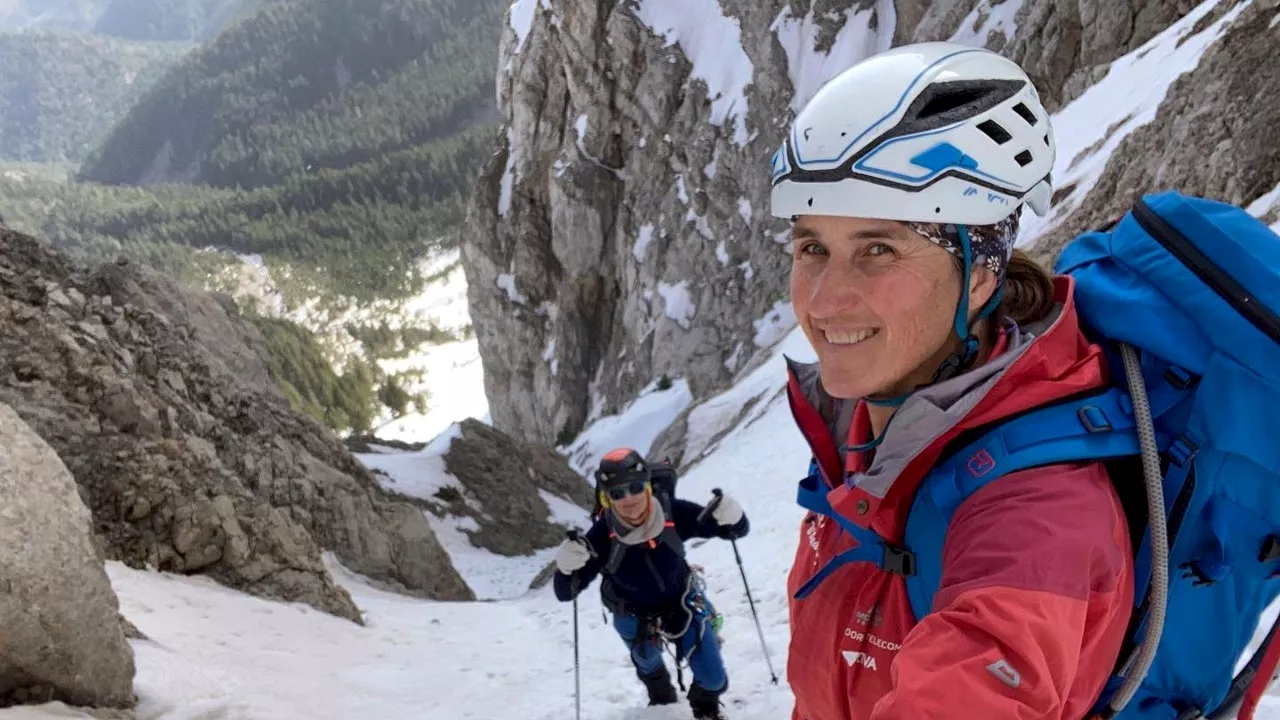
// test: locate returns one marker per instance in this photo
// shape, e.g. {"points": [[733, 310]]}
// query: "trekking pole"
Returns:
{"points": [[773, 676], [577, 677]]}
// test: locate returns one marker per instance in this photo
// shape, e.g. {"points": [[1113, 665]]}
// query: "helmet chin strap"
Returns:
{"points": [[963, 358], [959, 360]]}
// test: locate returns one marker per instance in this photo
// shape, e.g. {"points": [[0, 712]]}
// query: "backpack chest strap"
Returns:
{"points": [[869, 546], [1095, 428]]}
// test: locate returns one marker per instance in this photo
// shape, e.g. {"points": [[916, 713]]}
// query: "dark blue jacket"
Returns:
{"points": [[649, 580]]}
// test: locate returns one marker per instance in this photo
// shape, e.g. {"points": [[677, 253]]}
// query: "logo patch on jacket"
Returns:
{"points": [[852, 657], [870, 617], [814, 524], [1003, 670]]}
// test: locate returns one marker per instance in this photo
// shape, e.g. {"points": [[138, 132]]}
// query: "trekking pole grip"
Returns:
{"points": [[711, 506], [576, 535]]}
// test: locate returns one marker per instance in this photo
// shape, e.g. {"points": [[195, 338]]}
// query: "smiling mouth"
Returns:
{"points": [[851, 337]]}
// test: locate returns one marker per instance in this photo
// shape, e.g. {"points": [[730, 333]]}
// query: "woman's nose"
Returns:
{"points": [[836, 290]]}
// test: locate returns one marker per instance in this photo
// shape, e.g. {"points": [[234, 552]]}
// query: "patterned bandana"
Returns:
{"points": [[991, 245]]}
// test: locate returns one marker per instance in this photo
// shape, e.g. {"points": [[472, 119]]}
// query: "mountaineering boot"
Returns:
{"points": [[705, 704], [661, 691]]}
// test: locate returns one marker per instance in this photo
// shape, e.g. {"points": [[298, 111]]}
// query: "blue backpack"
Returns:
{"points": [[1184, 295]]}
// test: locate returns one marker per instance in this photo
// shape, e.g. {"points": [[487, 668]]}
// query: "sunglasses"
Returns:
{"points": [[635, 488]]}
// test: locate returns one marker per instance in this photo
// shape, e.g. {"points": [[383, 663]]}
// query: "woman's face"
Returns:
{"points": [[877, 302], [633, 508]]}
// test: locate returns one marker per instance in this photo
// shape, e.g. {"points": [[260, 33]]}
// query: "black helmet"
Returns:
{"points": [[621, 467]]}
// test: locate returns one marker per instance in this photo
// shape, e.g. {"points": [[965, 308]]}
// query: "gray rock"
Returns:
{"points": [[229, 345], [501, 479], [61, 637], [1061, 44], [669, 446], [189, 458], [130, 630], [543, 577]]}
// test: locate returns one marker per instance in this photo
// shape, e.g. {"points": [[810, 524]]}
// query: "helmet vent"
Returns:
{"points": [[942, 102], [995, 131], [1026, 114], [946, 103], [1024, 158], [1046, 139]]}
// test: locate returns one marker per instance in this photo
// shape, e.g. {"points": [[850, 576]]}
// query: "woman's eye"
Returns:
{"points": [[812, 248], [879, 249]]}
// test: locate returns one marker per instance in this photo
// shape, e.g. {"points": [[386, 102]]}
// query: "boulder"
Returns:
{"points": [[60, 636]]}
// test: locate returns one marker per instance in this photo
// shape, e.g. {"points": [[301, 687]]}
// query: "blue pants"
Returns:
{"points": [[698, 643]]}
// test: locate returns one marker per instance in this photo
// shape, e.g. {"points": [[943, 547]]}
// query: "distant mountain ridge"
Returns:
{"points": [[172, 20], [62, 92]]}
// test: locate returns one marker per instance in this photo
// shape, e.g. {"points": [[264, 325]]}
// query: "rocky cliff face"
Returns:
{"points": [[1221, 115], [621, 230], [159, 402]]}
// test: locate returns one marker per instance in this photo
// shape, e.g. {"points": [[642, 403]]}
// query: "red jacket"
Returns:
{"points": [[1036, 588]]}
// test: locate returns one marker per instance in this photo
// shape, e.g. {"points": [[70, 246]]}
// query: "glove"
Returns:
{"points": [[728, 511], [572, 556]]}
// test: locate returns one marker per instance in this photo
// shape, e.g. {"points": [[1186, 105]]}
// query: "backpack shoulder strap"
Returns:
{"points": [[1097, 427], [669, 536], [616, 551]]}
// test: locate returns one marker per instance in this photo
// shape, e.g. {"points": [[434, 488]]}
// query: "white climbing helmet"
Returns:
{"points": [[930, 132]]}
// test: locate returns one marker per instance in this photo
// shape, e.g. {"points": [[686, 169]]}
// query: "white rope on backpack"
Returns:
{"points": [[1140, 664]]}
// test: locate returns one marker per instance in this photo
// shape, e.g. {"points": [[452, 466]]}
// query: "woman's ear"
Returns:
{"points": [[982, 286]]}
